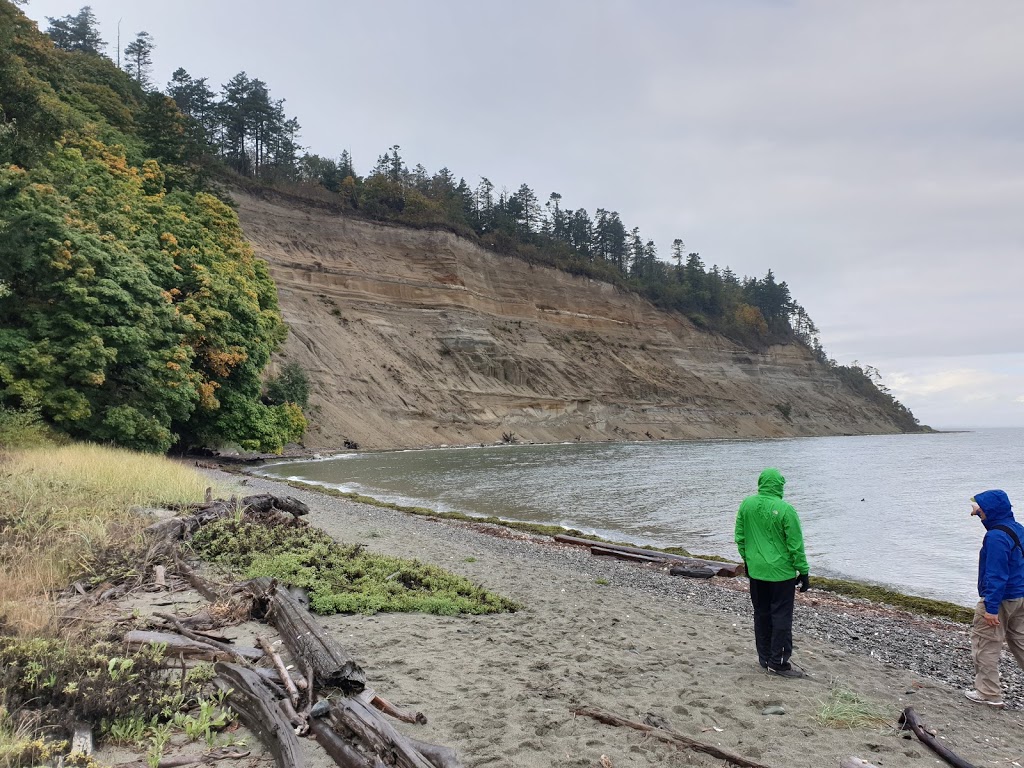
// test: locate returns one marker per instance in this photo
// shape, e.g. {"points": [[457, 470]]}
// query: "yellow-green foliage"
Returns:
{"points": [[341, 579], [62, 504], [132, 310]]}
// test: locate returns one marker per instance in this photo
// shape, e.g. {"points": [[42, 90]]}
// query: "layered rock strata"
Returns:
{"points": [[420, 337]]}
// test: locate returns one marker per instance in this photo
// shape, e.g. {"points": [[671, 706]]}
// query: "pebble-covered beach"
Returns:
{"points": [[632, 640]]}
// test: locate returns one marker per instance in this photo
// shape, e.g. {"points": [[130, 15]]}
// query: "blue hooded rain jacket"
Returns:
{"points": [[1001, 562]]}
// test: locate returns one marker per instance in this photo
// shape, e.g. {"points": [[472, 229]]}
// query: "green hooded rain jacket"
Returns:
{"points": [[768, 532]]}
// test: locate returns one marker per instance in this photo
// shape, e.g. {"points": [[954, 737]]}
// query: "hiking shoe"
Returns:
{"points": [[787, 672], [977, 698]]}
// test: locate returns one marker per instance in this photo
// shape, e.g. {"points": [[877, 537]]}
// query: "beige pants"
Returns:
{"points": [[987, 643]]}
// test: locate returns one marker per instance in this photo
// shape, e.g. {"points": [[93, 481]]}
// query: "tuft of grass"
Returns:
{"points": [[603, 582], [61, 506], [340, 578], [845, 709]]}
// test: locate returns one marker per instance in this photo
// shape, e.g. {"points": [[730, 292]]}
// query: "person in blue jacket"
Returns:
{"points": [[1000, 612]]}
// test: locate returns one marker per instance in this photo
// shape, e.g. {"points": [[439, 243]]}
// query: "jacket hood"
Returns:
{"points": [[771, 482], [996, 506]]}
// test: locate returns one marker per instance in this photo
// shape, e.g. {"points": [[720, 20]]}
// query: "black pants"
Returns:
{"points": [[773, 621]]}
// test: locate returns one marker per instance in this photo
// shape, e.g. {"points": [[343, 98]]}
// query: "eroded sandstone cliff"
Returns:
{"points": [[416, 338]]}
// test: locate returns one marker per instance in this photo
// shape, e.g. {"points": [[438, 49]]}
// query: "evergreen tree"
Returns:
{"points": [[79, 32], [139, 58]]}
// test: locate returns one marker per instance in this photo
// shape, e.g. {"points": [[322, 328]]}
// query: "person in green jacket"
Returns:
{"points": [[771, 545]]}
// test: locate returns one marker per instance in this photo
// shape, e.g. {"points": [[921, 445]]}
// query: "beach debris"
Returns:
{"points": [[698, 572], [855, 762], [329, 700], [606, 762], [639, 554], [305, 638], [669, 736], [910, 720], [773, 710]]}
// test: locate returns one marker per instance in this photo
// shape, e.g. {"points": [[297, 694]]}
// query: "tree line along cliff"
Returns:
{"points": [[134, 310]]}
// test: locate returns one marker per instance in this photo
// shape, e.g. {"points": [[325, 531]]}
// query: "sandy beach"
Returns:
{"points": [[634, 641]]}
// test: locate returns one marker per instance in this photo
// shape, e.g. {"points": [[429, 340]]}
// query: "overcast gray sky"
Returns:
{"points": [[871, 153]]}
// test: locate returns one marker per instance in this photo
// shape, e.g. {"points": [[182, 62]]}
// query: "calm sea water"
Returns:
{"points": [[891, 510]]}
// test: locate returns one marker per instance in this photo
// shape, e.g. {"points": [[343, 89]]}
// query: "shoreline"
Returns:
{"points": [[307, 454], [866, 590], [632, 640]]}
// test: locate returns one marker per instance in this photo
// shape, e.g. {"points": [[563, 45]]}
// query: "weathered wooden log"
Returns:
{"points": [[692, 572], [670, 736], [376, 733], [343, 753], [398, 713], [619, 555], [282, 672], [910, 720], [721, 569], [212, 592], [855, 762], [307, 640], [265, 502], [230, 650], [182, 645], [81, 739], [257, 708], [441, 757]]}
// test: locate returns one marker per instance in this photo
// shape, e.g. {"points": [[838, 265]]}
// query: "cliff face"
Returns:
{"points": [[415, 338]]}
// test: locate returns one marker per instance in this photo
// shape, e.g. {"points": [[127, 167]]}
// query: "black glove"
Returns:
{"points": [[803, 582]]}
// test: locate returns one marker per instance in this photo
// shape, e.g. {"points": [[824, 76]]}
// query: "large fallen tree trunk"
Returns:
{"points": [[721, 569], [671, 737], [257, 706], [306, 639]]}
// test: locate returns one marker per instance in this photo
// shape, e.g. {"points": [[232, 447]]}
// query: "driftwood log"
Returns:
{"points": [[307, 640], [264, 503], [671, 737], [257, 707], [910, 720], [179, 645], [721, 569], [398, 713], [344, 754], [355, 715], [619, 555]]}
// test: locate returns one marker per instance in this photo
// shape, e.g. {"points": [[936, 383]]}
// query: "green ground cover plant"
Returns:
{"points": [[340, 578]]}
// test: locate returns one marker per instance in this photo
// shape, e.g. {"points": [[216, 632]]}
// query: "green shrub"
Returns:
{"points": [[291, 386], [341, 578], [24, 429]]}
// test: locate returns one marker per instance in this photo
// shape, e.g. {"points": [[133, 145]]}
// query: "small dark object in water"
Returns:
{"points": [[691, 571]]}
